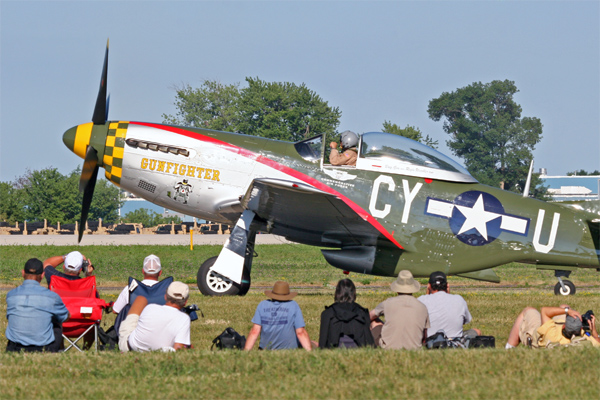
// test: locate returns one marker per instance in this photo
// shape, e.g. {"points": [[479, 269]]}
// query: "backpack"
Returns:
{"points": [[438, 340], [109, 340], [229, 339]]}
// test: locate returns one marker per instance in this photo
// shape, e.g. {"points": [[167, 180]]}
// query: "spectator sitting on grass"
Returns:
{"points": [[35, 314], [278, 322], [151, 271], [447, 312], [345, 323], [73, 264], [157, 327], [553, 326], [406, 318]]}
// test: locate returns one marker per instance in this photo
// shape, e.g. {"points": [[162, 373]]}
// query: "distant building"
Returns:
{"points": [[576, 187]]}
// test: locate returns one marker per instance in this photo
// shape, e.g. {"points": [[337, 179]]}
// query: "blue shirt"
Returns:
{"points": [[279, 321], [31, 311]]}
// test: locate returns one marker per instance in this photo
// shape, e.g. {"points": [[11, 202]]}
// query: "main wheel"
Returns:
{"points": [[212, 284], [568, 290], [245, 286]]}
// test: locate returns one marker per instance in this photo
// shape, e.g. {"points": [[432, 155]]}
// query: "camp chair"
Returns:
{"points": [[85, 308], [155, 294]]}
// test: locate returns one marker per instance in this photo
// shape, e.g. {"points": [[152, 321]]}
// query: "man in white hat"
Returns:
{"points": [[73, 264], [406, 318], [279, 322], [151, 327], [151, 271]]}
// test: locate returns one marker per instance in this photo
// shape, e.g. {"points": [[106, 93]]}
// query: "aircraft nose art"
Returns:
{"points": [[107, 139]]}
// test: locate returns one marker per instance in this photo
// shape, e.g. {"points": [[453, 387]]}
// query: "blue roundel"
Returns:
{"points": [[476, 218]]}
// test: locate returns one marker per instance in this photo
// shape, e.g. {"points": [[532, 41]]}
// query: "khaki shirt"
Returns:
{"points": [[348, 157], [405, 320]]}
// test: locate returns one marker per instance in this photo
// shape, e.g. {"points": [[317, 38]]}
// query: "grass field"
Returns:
{"points": [[296, 264], [356, 374]]}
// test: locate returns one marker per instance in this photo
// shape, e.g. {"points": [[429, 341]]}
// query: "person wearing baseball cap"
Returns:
{"points": [[150, 327], [549, 327], [35, 314], [279, 322], [447, 312], [151, 270], [73, 264], [406, 318]]}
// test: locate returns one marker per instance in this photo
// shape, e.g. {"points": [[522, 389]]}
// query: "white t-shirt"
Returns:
{"points": [[159, 327], [446, 311], [123, 298]]}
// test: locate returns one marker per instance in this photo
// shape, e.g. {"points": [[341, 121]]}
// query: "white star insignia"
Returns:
{"points": [[476, 217]]}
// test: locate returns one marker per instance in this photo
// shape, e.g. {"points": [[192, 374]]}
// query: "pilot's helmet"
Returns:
{"points": [[348, 139]]}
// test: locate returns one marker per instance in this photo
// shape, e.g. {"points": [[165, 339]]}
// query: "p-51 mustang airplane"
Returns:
{"points": [[403, 206]]}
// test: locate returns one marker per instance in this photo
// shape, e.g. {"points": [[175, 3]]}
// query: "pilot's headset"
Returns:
{"points": [[348, 139]]}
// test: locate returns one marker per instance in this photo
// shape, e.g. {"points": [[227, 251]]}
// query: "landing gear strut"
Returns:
{"points": [[211, 283], [564, 286]]}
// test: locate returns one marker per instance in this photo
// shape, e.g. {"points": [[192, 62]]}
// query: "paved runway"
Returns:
{"points": [[125, 240]]}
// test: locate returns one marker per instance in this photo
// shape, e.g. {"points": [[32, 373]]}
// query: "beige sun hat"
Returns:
{"points": [[405, 283]]}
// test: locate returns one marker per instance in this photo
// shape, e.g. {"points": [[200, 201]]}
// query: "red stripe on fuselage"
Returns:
{"points": [[280, 167]]}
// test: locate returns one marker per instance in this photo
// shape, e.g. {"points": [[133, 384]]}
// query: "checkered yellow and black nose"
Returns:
{"points": [[107, 139]]}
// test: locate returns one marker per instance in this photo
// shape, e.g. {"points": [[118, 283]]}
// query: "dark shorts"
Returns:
{"points": [[53, 347]]}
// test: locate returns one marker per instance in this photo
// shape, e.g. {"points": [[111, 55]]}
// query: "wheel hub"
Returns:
{"points": [[218, 283]]}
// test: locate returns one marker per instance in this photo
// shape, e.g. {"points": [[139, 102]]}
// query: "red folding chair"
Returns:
{"points": [[85, 308]]}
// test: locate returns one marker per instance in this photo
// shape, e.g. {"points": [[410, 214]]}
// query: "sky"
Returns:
{"points": [[374, 60]]}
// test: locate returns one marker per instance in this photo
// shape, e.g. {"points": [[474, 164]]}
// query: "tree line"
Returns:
{"points": [[483, 122], [48, 194]]}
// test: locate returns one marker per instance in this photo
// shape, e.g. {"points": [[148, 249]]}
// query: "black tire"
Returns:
{"points": [[212, 284], [245, 286], [569, 288]]}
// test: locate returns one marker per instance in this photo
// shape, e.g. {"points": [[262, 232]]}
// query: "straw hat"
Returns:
{"points": [[405, 283], [281, 291]]}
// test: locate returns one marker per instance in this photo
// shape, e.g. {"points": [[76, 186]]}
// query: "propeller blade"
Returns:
{"points": [[107, 107], [87, 183], [101, 109]]}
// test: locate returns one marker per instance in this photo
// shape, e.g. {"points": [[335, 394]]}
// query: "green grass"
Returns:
{"points": [[357, 374], [296, 264]]}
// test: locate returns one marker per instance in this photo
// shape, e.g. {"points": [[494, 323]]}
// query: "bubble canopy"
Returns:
{"points": [[387, 152]]}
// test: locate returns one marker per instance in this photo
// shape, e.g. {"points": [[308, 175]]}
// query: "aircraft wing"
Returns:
{"points": [[305, 214]]}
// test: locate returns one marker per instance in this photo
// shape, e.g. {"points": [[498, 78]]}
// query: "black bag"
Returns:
{"points": [[108, 339], [480, 341], [438, 340], [229, 339]]}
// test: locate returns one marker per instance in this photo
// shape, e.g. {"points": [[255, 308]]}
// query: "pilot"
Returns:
{"points": [[349, 154]]}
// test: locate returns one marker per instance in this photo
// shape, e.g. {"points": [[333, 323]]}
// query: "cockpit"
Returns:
{"points": [[384, 152]]}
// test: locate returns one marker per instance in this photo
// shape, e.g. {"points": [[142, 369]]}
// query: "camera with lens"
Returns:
{"points": [[84, 266], [191, 311], [585, 320]]}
